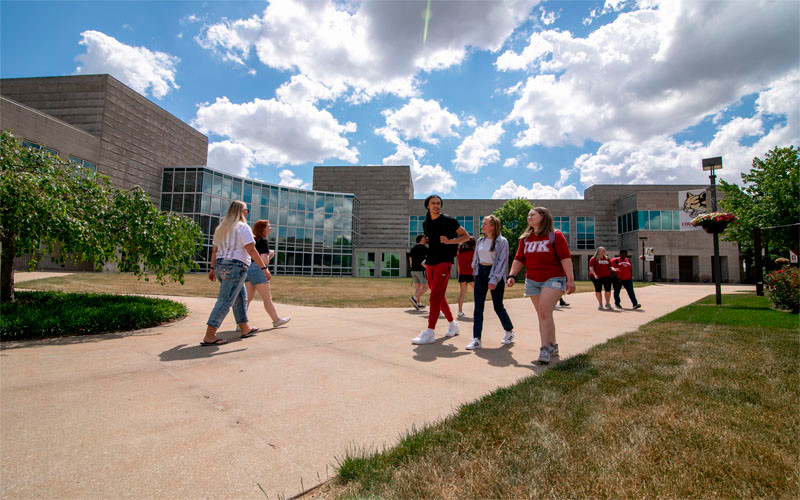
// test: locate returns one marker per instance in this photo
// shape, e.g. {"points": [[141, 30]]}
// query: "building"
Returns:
{"points": [[357, 220]]}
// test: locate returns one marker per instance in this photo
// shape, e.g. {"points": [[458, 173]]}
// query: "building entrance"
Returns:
{"points": [[687, 268]]}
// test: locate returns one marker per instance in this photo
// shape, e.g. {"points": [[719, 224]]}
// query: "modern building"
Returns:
{"points": [[357, 220]]}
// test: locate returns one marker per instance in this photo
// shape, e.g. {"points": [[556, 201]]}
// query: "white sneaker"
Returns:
{"points": [[452, 330], [426, 337], [544, 355], [461, 314], [508, 338], [553, 348], [281, 321], [475, 344]]}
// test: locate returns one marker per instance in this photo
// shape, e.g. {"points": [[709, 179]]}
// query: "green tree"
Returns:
{"points": [[769, 197], [513, 217], [49, 206]]}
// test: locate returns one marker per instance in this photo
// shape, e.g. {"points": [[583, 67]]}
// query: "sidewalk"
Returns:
{"points": [[151, 414]]}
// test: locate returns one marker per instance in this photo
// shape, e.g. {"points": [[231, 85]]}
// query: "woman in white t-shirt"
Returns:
{"points": [[234, 247], [489, 266]]}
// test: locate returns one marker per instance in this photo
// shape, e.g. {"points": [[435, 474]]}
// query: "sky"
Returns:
{"points": [[482, 99]]}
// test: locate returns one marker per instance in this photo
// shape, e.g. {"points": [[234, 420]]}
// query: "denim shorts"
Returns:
{"points": [[255, 275], [535, 287]]}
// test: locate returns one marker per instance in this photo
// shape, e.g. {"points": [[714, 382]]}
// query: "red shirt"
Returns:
{"points": [[540, 261], [465, 261], [602, 267], [624, 266]]}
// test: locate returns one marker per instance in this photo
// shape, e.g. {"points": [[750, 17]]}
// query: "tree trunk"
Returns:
{"points": [[7, 268]]}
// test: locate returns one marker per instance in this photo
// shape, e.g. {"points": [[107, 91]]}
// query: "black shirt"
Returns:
{"points": [[262, 246], [418, 254], [438, 252]]}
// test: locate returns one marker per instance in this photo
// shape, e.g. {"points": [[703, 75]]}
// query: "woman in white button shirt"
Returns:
{"points": [[234, 247], [489, 266]]}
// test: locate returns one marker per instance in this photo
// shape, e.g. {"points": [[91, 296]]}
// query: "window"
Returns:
{"points": [[562, 224], [365, 264], [585, 233], [467, 222], [414, 228], [87, 167], [649, 220], [390, 265], [37, 147]]}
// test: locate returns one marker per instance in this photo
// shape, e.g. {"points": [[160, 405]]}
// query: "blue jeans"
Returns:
{"points": [[480, 288], [231, 275], [628, 284]]}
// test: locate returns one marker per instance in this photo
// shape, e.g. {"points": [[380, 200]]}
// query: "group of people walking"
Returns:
{"points": [[542, 250], [240, 257]]}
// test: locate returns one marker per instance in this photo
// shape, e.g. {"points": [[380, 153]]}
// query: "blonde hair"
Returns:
{"points": [[545, 227], [597, 252], [495, 223], [234, 216]]}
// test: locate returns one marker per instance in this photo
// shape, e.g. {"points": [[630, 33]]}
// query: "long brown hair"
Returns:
{"points": [[495, 222], [234, 216], [545, 227], [468, 245], [258, 228]]}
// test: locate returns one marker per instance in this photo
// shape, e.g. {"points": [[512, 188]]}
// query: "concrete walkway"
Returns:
{"points": [[151, 414]]}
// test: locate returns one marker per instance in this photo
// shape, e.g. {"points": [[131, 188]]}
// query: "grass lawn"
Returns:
{"points": [[702, 403], [299, 290]]}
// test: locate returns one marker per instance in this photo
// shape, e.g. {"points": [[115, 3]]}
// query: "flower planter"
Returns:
{"points": [[714, 226]]}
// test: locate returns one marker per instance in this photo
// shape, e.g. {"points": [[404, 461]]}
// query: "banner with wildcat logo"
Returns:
{"points": [[692, 203]]}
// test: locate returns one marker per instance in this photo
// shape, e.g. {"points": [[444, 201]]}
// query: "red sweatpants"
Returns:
{"points": [[438, 275]]}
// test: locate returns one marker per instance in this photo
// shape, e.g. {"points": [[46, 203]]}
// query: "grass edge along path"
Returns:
{"points": [[698, 404], [36, 314]]}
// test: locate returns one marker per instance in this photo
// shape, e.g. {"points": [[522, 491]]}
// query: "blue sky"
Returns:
{"points": [[540, 99]]}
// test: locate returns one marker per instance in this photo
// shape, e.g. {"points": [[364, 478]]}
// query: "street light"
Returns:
{"points": [[711, 164], [643, 238]]}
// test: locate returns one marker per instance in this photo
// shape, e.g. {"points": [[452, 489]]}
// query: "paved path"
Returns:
{"points": [[151, 414]]}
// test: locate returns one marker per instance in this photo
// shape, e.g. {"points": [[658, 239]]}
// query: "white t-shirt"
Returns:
{"points": [[485, 255], [233, 246]]}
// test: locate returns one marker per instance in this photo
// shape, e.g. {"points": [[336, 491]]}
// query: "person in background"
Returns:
{"points": [[416, 257], [545, 254], [443, 233], [464, 256], [622, 267], [489, 267], [234, 248], [256, 281], [600, 273]]}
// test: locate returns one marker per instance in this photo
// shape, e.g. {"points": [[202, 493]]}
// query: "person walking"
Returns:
{"points": [[443, 233], [622, 267], [544, 252], [489, 266], [464, 256], [600, 273], [256, 279], [234, 248], [416, 259]]}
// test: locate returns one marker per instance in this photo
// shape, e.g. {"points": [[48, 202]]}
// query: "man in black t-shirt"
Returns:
{"points": [[416, 257], [444, 234]]}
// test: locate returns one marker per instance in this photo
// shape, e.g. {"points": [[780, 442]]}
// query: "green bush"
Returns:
{"points": [[56, 314], [784, 288]]}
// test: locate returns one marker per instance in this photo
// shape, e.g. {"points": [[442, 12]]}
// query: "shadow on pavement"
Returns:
{"points": [[197, 351], [75, 339], [430, 352]]}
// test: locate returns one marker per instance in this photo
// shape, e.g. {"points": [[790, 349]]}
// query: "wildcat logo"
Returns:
{"points": [[537, 246], [695, 204]]}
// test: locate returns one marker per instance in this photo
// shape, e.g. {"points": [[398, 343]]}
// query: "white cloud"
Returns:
{"points": [[432, 179], [369, 47], [536, 192], [511, 162], [301, 89], [423, 120], [277, 132], [549, 18], [533, 166], [651, 72], [145, 71], [288, 179], [563, 175], [476, 150], [230, 157]]}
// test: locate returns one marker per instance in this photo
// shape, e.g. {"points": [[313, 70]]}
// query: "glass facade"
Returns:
{"points": [[562, 224], [649, 220], [415, 226], [584, 233], [313, 232]]}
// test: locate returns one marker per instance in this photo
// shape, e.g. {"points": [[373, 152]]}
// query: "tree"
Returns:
{"points": [[49, 206], [768, 198], [513, 217]]}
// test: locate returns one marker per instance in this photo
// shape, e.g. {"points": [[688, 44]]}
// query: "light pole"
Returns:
{"points": [[711, 164], [643, 238]]}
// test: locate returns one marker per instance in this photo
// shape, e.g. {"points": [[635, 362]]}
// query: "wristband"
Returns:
{"points": [[263, 268]]}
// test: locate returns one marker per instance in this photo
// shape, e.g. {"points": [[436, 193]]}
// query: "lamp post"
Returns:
{"points": [[711, 164], [643, 238]]}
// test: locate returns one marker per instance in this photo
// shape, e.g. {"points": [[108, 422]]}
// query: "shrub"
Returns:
{"points": [[784, 288]]}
